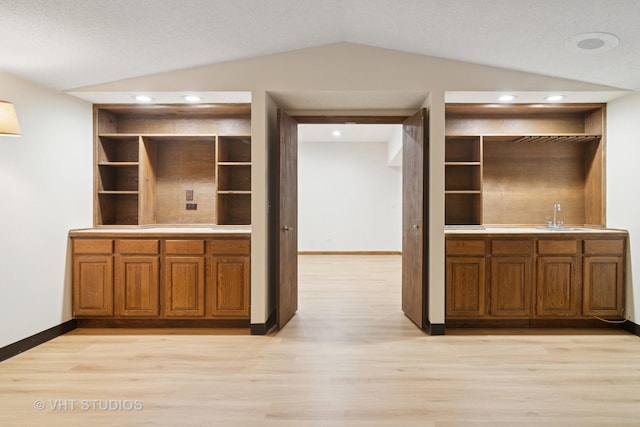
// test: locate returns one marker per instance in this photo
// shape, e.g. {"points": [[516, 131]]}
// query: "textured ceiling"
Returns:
{"points": [[67, 44]]}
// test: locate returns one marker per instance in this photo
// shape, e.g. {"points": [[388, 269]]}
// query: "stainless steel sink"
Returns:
{"points": [[561, 228]]}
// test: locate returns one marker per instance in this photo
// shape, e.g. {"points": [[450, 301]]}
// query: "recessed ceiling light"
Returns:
{"points": [[143, 98], [192, 98], [592, 42], [506, 98], [555, 98], [336, 133]]}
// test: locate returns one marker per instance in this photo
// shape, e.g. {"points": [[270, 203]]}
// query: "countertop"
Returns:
{"points": [[568, 230], [163, 231]]}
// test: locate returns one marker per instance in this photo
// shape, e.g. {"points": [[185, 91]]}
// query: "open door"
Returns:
{"points": [[415, 152], [286, 222]]}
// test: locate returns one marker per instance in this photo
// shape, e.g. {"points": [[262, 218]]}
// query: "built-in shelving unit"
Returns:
{"points": [[463, 179], [148, 158], [508, 164], [117, 177], [234, 179]]}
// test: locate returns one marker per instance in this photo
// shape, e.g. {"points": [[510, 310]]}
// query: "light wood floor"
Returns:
{"points": [[348, 358]]}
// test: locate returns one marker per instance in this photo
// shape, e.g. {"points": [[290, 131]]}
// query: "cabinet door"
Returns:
{"points": [[136, 286], [228, 286], [603, 286], [557, 291], [184, 286], [92, 285], [465, 286], [511, 286]]}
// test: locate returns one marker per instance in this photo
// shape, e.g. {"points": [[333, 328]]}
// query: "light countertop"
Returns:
{"points": [[164, 230], [476, 229]]}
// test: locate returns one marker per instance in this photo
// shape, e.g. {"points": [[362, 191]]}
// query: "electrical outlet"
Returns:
{"points": [[189, 195], [192, 206]]}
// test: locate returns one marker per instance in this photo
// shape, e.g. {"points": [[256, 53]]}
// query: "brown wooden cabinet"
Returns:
{"points": [[511, 286], [603, 277], [511, 279], [136, 285], [228, 284], [160, 277], [466, 286], [228, 278], [184, 286], [184, 278], [557, 281], [535, 277], [466, 279], [168, 164], [93, 277]]}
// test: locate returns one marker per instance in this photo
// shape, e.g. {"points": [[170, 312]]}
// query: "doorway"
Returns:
{"points": [[349, 189], [283, 165]]}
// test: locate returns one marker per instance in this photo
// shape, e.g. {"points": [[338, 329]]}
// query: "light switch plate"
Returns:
{"points": [[189, 195]]}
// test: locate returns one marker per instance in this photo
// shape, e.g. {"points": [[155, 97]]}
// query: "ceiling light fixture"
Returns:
{"points": [[506, 98], [592, 42], [9, 125], [192, 98], [555, 98], [143, 98], [336, 133]]}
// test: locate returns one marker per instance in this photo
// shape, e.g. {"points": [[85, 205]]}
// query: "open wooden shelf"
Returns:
{"points": [[117, 209], [233, 149], [149, 157], [234, 208], [463, 208], [234, 179], [509, 164], [463, 179]]}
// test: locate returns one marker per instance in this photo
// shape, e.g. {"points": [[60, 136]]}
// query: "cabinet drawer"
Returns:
{"points": [[137, 246], [177, 247], [465, 247], [92, 246], [230, 246], [511, 247], [608, 246], [560, 247]]}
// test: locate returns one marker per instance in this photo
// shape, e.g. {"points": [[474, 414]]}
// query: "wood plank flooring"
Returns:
{"points": [[348, 358]]}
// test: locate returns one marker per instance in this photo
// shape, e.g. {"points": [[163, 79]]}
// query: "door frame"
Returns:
{"points": [[273, 229]]}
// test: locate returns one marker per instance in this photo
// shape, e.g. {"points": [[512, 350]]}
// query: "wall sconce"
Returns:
{"points": [[9, 125]]}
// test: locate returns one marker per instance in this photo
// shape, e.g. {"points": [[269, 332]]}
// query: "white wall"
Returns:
{"points": [[45, 190], [394, 147], [348, 198], [623, 200]]}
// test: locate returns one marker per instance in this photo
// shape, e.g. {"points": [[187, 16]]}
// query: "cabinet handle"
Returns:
{"points": [[286, 228], [416, 226]]}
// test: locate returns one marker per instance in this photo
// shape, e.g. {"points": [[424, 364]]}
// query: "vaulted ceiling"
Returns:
{"points": [[67, 44]]}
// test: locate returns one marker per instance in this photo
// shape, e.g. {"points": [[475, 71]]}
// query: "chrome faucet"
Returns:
{"points": [[555, 223]]}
